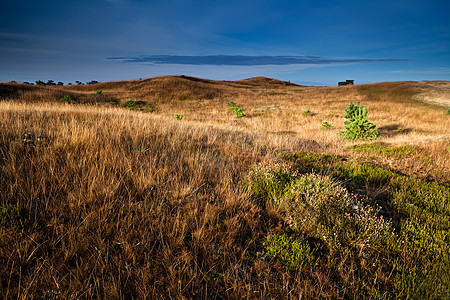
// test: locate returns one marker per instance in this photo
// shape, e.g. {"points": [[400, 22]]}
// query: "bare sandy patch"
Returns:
{"points": [[435, 92]]}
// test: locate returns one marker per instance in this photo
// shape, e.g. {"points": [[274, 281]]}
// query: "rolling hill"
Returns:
{"points": [[189, 188]]}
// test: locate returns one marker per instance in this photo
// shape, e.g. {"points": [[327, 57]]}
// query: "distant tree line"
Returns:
{"points": [[59, 83]]}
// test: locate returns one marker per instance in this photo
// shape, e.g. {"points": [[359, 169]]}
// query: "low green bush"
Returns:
{"points": [[409, 246], [357, 126], [326, 125], [307, 112], [358, 173], [238, 111], [268, 179], [321, 206], [177, 117], [129, 104], [293, 253], [66, 99]]}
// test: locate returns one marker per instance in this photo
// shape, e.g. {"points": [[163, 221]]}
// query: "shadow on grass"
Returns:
{"points": [[393, 130]]}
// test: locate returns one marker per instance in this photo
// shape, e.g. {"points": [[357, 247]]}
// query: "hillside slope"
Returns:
{"points": [[156, 188]]}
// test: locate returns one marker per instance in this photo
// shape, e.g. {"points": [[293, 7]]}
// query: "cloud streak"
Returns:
{"points": [[438, 71], [246, 60]]}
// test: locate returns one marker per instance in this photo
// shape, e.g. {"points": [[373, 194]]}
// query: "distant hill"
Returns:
{"points": [[182, 87], [260, 81]]}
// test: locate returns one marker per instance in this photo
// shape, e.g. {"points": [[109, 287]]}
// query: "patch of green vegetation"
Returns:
{"points": [[177, 117], [326, 125], [359, 173], [13, 217], [358, 127], [129, 104], [66, 99], [400, 151], [364, 173], [321, 206], [139, 106], [269, 180], [411, 246], [307, 112], [293, 253], [425, 203], [99, 93], [238, 111]]}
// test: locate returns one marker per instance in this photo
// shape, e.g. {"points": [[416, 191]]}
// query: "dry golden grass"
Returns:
{"points": [[123, 203], [275, 108], [119, 203]]}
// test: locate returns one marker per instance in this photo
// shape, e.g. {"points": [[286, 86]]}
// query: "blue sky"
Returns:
{"points": [[310, 42]]}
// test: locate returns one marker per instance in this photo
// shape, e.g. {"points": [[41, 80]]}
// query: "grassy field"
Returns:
{"points": [[155, 189]]}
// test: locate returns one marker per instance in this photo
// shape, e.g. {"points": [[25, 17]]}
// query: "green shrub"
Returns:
{"points": [[364, 173], [129, 104], [425, 235], [99, 92], [411, 249], [359, 173], [427, 203], [238, 111], [293, 253], [66, 99], [326, 125], [321, 205], [448, 111], [177, 117], [307, 112], [357, 126], [269, 179], [416, 257], [137, 105], [318, 205]]}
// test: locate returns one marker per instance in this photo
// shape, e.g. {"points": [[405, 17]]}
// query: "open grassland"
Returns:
{"points": [[109, 195]]}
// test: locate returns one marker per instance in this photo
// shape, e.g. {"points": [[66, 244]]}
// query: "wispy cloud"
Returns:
{"points": [[437, 71], [246, 60]]}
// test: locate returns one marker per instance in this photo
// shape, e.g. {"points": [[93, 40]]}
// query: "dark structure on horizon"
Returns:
{"points": [[347, 82]]}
